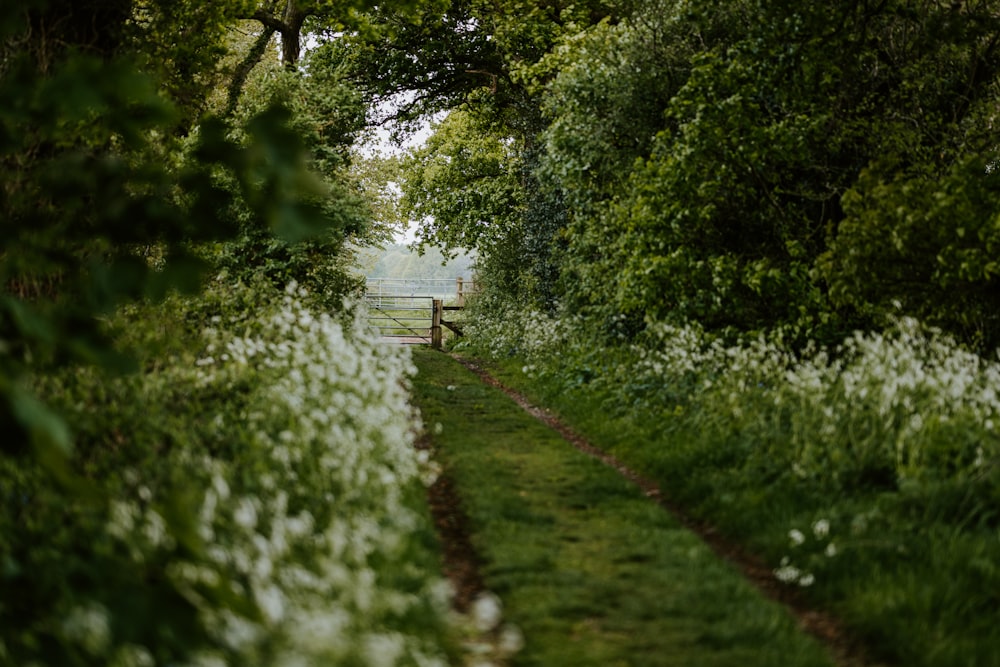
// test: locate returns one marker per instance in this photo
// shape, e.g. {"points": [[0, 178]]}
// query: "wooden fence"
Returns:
{"points": [[441, 288], [414, 311]]}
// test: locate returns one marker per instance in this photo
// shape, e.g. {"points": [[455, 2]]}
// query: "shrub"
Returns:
{"points": [[251, 498]]}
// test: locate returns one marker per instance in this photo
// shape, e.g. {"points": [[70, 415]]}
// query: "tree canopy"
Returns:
{"points": [[119, 183], [745, 164]]}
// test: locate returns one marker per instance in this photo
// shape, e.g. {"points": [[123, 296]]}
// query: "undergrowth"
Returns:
{"points": [[251, 497], [867, 474]]}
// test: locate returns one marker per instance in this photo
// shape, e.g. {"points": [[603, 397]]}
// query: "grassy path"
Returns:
{"points": [[591, 570]]}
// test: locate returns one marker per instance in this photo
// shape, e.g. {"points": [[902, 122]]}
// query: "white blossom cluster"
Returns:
{"points": [[527, 334], [820, 542], [905, 400], [306, 526]]}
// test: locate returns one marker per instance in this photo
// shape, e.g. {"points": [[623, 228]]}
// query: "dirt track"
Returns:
{"points": [[461, 561]]}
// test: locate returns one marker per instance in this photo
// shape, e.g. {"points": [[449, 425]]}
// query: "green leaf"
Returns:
{"points": [[124, 278], [30, 323], [295, 221], [49, 434], [183, 273]]}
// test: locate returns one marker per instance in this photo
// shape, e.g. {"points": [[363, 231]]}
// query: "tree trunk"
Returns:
{"points": [[246, 66], [291, 34], [289, 27]]}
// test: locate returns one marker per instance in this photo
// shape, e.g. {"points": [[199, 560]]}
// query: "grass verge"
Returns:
{"points": [[910, 570], [590, 570]]}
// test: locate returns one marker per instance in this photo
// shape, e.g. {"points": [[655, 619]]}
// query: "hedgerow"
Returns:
{"points": [[251, 498]]}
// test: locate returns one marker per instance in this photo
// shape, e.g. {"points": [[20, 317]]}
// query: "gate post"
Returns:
{"points": [[436, 308]]}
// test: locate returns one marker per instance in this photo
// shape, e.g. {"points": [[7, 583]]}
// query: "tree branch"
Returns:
{"points": [[246, 66], [269, 22]]}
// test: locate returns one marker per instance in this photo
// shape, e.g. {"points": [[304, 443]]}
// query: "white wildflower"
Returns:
{"points": [[245, 515], [487, 612], [220, 486], [383, 650], [155, 530], [304, 518], [88, 626], [511, 639], [123, 519], [787, 573], [271, 601]]}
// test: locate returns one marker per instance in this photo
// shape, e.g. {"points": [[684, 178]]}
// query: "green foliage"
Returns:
{"points": [[194, 510], [80, 213], [924, 243], [627, 71], [544, 218], [767, 124], [862, 473], [463, 184], [241, 506], [93, 216], [465, 188], [699, 162], [425, 62], [104, 202], [483, 60], [439, 56], [324, 116], [181, 42], [376, 177], [590, 569]]}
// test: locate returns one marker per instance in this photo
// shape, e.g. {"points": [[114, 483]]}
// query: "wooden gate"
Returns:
{"points": [[411, 311], [410, 319], [404, 319]]}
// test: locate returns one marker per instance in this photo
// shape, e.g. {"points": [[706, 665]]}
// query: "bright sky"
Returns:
{"points": [[382, 144]]}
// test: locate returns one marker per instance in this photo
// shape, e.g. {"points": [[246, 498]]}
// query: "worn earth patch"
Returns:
{"points": [[461, 563]]}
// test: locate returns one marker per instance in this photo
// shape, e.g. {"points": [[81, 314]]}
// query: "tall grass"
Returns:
{"points": [[867, 472]]}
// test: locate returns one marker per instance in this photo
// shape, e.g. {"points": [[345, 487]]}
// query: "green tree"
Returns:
{"points": [[327, 115], [104, 201], [464, 185], [484, 59], [773, 111], [115, 191], [327, 21], [464, 188], [926, 244]]}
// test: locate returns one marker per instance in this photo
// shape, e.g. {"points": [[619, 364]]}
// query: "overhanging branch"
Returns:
{"points": [[246, 66]]}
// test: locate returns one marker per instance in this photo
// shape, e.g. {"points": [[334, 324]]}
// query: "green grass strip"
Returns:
{"points": [[591, 571]]}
